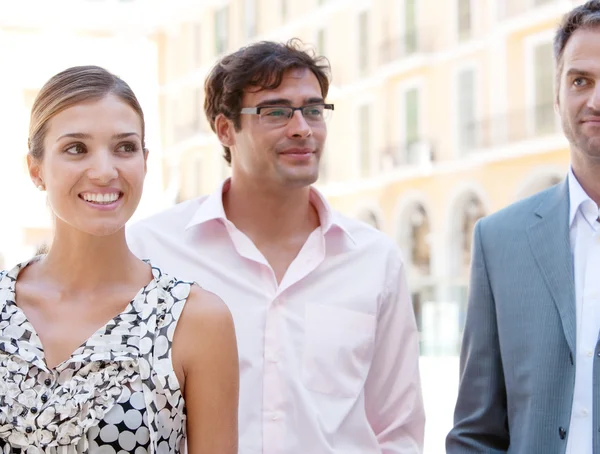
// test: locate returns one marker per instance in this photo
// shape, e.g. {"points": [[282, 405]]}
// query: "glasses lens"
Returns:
{"points": [[316, 114], [275, 115]]}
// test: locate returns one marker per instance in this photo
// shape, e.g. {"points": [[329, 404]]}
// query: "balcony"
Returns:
{"points": [[404, 46], [507, 129], [510, 8], [417, 153]]}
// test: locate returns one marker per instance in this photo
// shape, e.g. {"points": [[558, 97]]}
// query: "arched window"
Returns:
{"points": [[539, 184], [370, 218], [472, 211], [420, 249], [464, 214]]}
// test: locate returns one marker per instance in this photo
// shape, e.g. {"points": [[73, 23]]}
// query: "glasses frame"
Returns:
{"points": [[256, 110]]}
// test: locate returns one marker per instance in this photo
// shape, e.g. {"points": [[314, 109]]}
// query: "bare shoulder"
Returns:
{"points": [[205, 324], [206, 308]]}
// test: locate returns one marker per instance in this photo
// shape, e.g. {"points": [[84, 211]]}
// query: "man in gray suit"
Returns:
{"points": [[530, 360]]}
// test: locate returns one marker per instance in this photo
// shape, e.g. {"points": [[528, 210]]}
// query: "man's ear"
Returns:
{"points": [[35, 171], [225, 130]]}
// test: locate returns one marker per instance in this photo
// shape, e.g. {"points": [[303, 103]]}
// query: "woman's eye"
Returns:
{"points": [[75, 149], [127, 148]]}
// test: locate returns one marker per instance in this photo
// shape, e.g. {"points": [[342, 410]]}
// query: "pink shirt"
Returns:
{"points": [[329, 357]]}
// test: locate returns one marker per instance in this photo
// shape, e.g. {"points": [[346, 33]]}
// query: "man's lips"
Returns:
{"points": [[297, 151], [592, 120]]}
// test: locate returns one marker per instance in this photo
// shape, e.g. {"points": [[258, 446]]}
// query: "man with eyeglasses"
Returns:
{"points": [[327, 337]]}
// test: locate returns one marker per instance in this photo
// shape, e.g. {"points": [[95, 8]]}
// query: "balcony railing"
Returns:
{"points": [[399, 47], [505, 129], [512, 8], [416, 153]]}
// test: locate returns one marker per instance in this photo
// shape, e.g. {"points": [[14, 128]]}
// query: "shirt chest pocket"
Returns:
{"points": [[338, 347]]}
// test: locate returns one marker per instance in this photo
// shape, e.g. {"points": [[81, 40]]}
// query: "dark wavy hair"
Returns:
{"points": [[581, 17], [261, 65]]}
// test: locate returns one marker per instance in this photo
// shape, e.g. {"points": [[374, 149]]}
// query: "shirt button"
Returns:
{"points": [[28, 429], [584, 412], [273, 358], [562, 433], [275, 417], [34, 410], [44, 398], [47, 382], [590, 353]]}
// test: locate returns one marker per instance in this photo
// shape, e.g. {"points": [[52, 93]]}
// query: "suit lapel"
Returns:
{"points": [[551, 247]]}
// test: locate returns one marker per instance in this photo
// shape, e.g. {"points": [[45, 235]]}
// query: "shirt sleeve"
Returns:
{"points": [[133, 235], [394, 402]]}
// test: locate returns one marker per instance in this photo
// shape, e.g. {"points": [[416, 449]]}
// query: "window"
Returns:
{"points": [[411, 122], [544, 117], [250, 18], [410, 26], [420, 250], [363, 42], [198, 94], [472, 211], [321, 44], [198, 176], [364, 129], [464, 19], [29, 96], [197, 45], [221, 30], [466, 110]]}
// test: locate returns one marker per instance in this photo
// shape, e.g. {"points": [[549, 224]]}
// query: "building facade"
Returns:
{"points": [[439, 119]]}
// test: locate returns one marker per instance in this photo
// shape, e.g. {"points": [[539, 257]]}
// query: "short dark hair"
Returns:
{"points": [[261, 65], [581, 17]]}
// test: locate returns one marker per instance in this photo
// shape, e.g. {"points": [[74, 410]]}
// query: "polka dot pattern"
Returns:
{"points": [[118, 393]]}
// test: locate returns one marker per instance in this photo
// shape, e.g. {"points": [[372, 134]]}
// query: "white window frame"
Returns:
{"points": [[363, 9], [470, 65], [473, 11], [250, 18], [365, 101], [531, 43], [402, 22], [401, 90]]}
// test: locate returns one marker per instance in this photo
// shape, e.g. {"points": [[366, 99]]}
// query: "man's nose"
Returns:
{"points": [[298, 126]]}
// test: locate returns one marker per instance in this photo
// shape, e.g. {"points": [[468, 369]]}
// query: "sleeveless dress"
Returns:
{"points": [[117, 393]]}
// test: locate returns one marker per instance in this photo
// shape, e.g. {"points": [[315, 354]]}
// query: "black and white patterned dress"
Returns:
{"points": [[117, 393]]}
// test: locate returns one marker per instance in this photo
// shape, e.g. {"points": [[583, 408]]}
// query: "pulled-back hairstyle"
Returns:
{"points": [[70, 87], [581, 17], [260, 65]]}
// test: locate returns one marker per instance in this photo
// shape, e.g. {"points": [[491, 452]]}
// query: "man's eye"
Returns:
{"points": [[275, 113], [75, 149], [313, 112], [579, 82]]}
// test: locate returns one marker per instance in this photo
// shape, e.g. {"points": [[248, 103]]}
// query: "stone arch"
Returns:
{"points": [[539, 180]]}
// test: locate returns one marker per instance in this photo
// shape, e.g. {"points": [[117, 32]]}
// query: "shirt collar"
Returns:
{"points": [[580, 201], [211, 208]]}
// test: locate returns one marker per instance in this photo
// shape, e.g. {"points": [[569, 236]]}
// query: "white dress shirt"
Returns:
{"points": [[585, 245], [329, 356]]}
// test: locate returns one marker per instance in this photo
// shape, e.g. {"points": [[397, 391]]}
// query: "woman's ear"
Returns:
{"points": [[35, 172]]}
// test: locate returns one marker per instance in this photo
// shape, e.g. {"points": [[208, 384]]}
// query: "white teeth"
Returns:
{"points": [[100, 198]]}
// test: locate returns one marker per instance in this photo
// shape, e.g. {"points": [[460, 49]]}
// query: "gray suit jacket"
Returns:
{"points": [[518, 355]]}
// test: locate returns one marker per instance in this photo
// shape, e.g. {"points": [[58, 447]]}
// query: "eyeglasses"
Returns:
{"points": [[315, 114]]}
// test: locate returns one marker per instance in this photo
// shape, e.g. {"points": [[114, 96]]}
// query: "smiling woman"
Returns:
{"points": [[101, 351]]}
